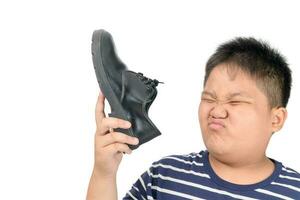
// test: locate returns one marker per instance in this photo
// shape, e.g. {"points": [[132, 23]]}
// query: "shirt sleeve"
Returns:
{"points": [[141, 189]]}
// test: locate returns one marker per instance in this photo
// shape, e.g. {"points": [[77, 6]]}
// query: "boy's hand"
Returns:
{"points": [[109, 145]]}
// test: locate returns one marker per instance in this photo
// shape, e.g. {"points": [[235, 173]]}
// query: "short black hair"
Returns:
{"points": [[257, 59]]}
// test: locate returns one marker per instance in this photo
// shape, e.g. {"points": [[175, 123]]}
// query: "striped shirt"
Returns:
{"points": [[190, 176]]}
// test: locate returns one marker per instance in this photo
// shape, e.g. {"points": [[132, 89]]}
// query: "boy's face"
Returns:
{"points": [[246, 118]]}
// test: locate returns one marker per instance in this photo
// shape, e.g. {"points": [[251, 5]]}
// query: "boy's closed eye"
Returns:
{"points": [[235, 102]]}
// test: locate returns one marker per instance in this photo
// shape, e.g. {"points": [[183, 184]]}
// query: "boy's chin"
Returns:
{"points": [[218, 149]]}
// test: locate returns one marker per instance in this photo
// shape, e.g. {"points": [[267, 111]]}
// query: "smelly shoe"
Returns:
{"points": [[129, 94]]}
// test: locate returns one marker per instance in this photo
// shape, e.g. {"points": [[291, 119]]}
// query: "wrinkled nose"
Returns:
{"points": [[218, 111]]}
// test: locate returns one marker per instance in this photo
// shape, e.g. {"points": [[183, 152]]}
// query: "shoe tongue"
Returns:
{"points": [[133, 85]]}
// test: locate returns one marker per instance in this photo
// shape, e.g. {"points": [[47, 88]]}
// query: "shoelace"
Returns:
{"points": [[148, 81]]}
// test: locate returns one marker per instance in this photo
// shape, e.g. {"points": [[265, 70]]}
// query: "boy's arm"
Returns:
{"points": [[102, 188], [109, 146]]}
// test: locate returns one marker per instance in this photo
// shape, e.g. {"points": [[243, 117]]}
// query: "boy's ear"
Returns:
{"points": [[279, 115]]}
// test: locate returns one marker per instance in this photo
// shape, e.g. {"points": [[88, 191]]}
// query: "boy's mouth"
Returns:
{"points": [[216, 124]]}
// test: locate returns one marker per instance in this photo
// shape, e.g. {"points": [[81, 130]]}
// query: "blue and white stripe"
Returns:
{"points": [[187, 177]]}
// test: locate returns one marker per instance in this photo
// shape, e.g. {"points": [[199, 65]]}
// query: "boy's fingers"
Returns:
{"points": [[112, 122], [118, 137], [118, 147], [99, 111]]}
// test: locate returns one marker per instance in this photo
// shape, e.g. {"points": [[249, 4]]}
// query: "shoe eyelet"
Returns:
{"points": [[149, 88]]}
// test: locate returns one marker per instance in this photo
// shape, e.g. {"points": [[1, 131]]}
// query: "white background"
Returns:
{"points": [[49, 89]]}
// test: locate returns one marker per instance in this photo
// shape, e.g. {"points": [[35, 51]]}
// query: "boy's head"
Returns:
{"points": [[262, 77]]}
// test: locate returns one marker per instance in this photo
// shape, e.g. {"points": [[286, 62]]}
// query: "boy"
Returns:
{"points": [[246, 90]]}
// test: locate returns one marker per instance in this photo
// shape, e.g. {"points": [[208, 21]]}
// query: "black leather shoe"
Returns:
{"points": [[129, 94]]}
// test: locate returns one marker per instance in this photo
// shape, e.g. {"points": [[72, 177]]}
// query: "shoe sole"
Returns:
{"points": [[105, 87]]}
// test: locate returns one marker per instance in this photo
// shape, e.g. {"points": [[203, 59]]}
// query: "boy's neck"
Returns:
{"points": [[243, 173]]}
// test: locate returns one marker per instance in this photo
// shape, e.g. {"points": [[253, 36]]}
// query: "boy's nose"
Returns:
{"points": [[218, 111]]}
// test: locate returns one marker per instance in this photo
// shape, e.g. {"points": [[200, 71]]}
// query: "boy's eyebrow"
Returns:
{"points": [[229, 96], [209, 94]]}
